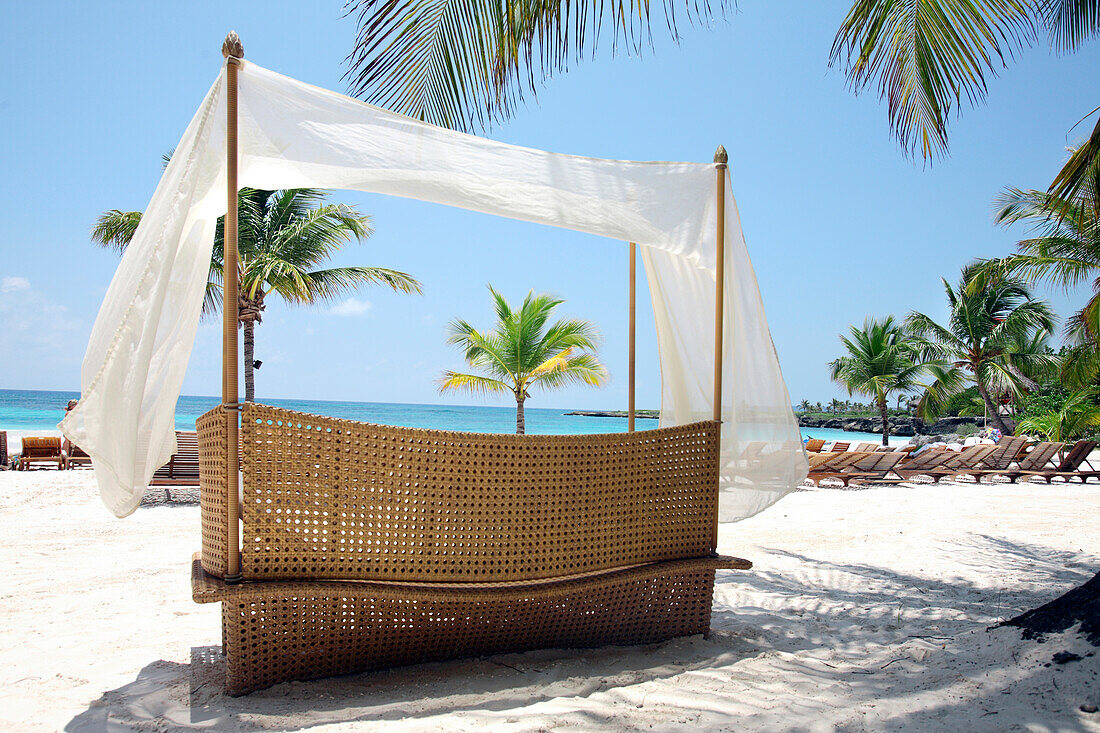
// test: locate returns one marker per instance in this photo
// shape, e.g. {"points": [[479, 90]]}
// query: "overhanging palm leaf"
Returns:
{"points": [[466, 63], [925, 56], [1065, 250], [1070, 22]]}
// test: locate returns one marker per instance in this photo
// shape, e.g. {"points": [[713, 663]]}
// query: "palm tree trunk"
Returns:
{"points": [[994, 413], [521, 423], [885, 420], [249, 353]]}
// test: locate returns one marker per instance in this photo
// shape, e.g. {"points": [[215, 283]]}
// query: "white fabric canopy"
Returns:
{"points": [[293, 135]]}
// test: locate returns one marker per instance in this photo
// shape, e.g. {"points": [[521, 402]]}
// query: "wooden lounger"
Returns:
{"points": [[1035, 462], [1070, 466], [368, 546], [1009, 449], [866, 467], [833, 466], [182, 468], [968, 459], [814, 445], [74, 455], [41, 450]]}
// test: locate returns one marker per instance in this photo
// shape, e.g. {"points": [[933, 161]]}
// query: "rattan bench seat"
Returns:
{"points": [[369, 546], [275, 631]]}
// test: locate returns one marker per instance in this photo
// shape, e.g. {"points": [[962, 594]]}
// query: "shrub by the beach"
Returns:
{"points": [[1078, 416]]}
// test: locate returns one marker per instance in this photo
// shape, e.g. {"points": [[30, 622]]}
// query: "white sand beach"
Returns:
{"points": [[867, 610]]}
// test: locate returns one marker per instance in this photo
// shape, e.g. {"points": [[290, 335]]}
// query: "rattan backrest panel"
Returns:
{"points": [[212, 434], [327, 498]]}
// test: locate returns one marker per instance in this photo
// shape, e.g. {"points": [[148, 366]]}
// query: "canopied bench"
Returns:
{"points": [[367, 546]]}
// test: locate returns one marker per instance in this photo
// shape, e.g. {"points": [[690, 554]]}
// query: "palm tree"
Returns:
{"points": [[977, 344], [523, 351], [881, 360], [283, 235], [805, 406]]}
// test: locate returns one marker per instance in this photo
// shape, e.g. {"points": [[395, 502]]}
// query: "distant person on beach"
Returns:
{"points": [[69, 407]]}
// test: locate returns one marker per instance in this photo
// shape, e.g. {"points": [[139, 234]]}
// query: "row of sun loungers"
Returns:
{"points": [[1010, 458], [181, 470]]}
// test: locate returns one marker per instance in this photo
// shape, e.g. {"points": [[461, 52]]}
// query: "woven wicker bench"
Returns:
{"points": [[368, 546]]}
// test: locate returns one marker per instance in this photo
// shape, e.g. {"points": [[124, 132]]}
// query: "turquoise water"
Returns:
{"points": [[37, 410]]}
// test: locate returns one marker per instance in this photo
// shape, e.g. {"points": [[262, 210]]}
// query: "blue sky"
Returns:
{"points": [[839, 224]]}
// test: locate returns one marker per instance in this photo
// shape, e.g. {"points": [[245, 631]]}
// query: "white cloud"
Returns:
{"points": [[351, 307], [14, 284]]}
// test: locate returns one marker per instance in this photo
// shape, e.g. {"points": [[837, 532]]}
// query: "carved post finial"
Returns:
{"points": [[720, 156], [232, 46]]}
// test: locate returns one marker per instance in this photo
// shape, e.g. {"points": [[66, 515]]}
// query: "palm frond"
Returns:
{"points": [[468, 63], [1070, 22], [1081, 171], [472, 383], [115, 229], [926, 56]]}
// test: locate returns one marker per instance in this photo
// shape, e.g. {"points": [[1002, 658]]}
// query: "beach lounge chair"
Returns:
{"points": [[927, 460], [967, 460], [833, 466], [814, 445], [182, 468], [74, 455], [1070, 465], [817, 459], [41, 450], [868, 447], [1009, 449], [1036, 462], [839, 446], [871, 467]]}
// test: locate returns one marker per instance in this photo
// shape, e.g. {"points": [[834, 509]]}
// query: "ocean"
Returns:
{"points": [[41, 410]]}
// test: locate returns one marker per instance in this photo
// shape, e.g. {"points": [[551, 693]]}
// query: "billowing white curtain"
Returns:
{"points": [[293, 135]]}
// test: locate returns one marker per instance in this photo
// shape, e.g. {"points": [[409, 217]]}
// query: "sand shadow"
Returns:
{"points": [[826, 604], [191, 696]]}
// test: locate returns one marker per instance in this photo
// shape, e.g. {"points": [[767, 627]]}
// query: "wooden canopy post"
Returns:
{"points": [[720, 160], [630, 342], [233, 51]]}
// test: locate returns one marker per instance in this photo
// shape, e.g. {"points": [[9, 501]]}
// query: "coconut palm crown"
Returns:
{"points": [[1065, 248], [881, 360], [524, 350], [982, 341], [283, 236]]}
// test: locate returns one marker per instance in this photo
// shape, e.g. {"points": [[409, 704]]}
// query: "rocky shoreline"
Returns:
{"points": [[901, 425], [641, 414]]}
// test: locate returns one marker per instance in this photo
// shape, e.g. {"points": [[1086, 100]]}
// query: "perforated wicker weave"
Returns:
{"points": [[368, 546], [279, 631], [212, 429], [337, 499]]}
